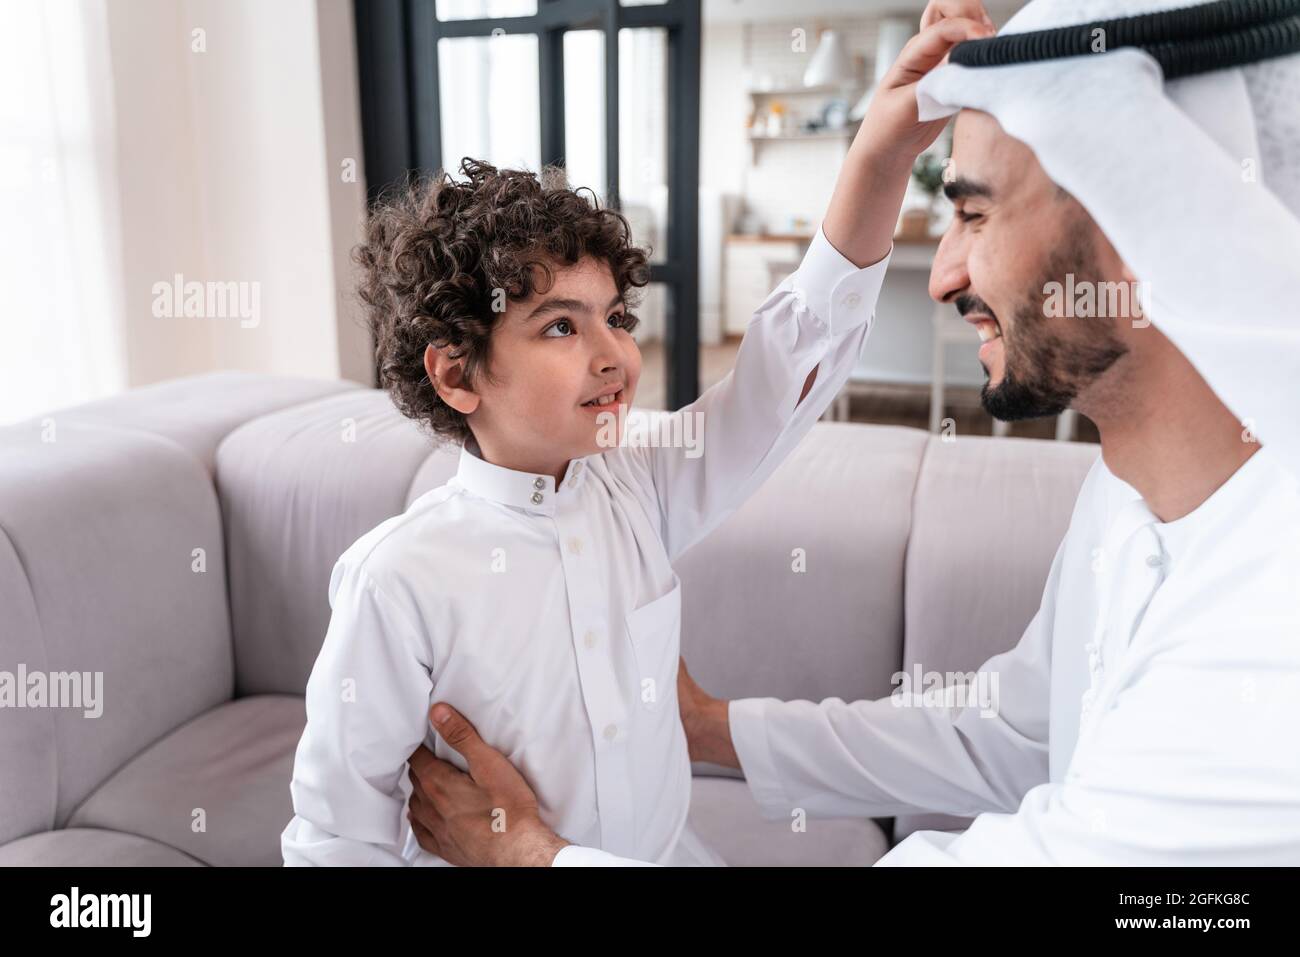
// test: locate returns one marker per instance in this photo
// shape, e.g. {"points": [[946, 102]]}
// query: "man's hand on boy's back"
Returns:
{"points": [[863, 211]]}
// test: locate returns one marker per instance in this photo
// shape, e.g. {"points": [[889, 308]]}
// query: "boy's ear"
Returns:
{"points": [[448, 377]]}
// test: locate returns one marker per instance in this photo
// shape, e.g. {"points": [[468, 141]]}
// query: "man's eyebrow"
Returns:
{"points": [[962, 188], [567, 305]]}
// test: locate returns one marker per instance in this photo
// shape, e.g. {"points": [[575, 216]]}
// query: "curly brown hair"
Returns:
{"points": [[436, 251]]}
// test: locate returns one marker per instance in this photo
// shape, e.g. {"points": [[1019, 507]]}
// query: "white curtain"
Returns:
{"points": [[61, 300]]}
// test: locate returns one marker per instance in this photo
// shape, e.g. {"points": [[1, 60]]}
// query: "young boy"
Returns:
{"points": [[535, 590]]}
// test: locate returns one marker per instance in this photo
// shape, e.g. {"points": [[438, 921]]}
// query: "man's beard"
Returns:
{"points": [[1043, 369]]}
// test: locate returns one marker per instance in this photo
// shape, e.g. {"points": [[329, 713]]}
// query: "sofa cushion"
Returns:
{"points": [[103, 529], [90, 847], [297, 488], [752, 625], [233, 764], [987, 520], [197, 412], [726, 818]]}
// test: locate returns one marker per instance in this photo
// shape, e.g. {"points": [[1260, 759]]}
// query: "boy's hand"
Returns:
{"points": [[486, 817], [868, 195], [890, 126]]}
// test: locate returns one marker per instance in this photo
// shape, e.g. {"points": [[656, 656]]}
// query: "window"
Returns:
{"points": [[609, 91]]}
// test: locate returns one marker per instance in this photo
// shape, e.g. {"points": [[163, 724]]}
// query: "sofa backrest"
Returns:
{"points": [[297, 487], [871, 549], [799, 594], [986, 521], [111, 564]]}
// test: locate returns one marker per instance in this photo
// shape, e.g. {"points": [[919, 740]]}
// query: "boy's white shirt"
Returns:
{"points": [[550, 617]]}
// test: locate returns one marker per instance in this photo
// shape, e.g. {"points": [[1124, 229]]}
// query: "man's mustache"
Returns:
{"points": [[967, 303]]}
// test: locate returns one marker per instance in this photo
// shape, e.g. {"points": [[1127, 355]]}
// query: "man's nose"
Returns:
{"points": [[948, 274]]}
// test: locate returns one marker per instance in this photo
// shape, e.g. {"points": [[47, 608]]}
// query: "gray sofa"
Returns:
{"points": [[179, 539]]}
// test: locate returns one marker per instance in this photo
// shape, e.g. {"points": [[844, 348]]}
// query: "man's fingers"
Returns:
{"points": [[429, 773], [420, 759], [435, 779], [427, 840], [454, 728]]}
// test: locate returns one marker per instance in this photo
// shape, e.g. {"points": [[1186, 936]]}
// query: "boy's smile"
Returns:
{"points": [[606, 397]]}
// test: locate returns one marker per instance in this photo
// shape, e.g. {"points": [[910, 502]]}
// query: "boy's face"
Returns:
{"points": [[551, 355]]}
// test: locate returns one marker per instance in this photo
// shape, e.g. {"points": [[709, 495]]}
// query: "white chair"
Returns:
{"points": [[948, 329]]}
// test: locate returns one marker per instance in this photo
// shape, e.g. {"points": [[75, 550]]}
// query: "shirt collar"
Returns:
{"points": [[1232, 500], [1246, 489], [530, 491]]}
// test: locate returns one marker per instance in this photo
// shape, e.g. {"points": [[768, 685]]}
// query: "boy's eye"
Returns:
{"points": [[624, 320], [966, 217], [558, 329]]}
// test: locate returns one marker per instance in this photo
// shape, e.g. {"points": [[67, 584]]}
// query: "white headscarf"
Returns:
{"points": [[1195, 182]]}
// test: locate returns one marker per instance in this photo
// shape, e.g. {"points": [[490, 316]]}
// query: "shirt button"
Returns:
{"points": [[589, 639], [537, 498], [575, 546], [577, 467], [852, 300], [611, 732], [539, 483], [1154, 561]]}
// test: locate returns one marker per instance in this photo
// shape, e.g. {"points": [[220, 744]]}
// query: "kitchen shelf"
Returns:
{"points": [[845, 133], [802, 90]]}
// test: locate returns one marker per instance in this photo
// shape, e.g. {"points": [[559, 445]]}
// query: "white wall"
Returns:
{"points": [[230, 150]]}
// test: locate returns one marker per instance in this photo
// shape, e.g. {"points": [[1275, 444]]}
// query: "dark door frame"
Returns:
{"points": [[397, 57]]}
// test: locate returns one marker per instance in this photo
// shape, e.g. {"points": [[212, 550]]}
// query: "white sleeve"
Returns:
{"points": [[1182, 770], [575, 855], [367, 710], [879, 759], [1190, 761], [745, 426]]}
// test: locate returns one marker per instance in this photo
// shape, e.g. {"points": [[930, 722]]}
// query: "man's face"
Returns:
{"points": [[549, 357], [1014, 234]]}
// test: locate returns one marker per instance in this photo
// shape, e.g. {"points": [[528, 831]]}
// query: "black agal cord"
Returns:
{"points": [[1184, 41]]}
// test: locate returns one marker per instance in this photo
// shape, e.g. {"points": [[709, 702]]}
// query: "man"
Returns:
{"points": [[1147, 714]]}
